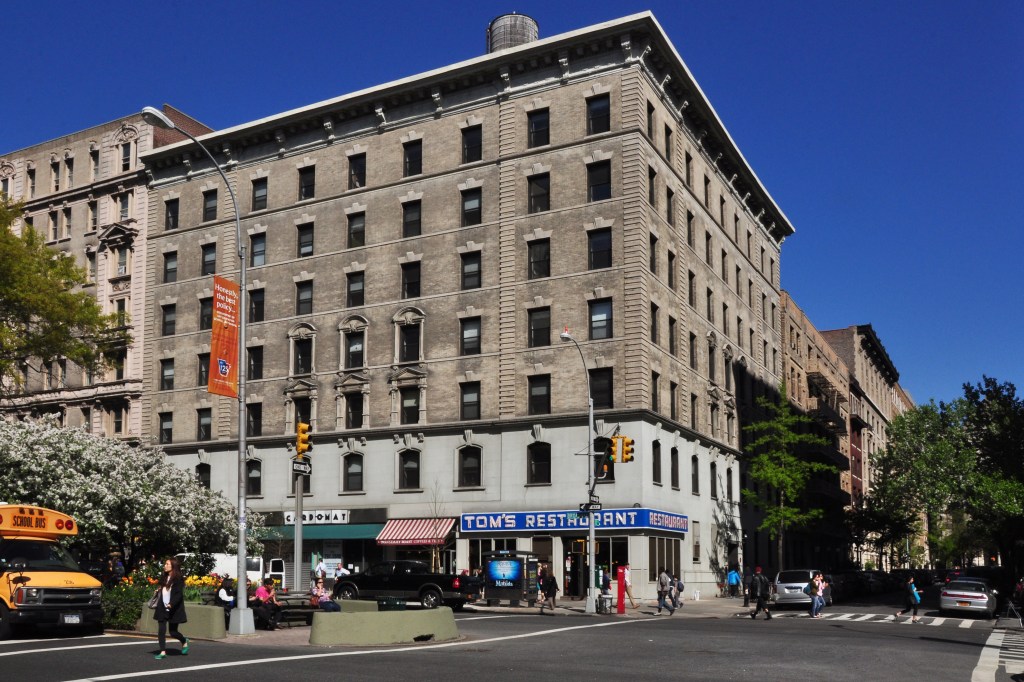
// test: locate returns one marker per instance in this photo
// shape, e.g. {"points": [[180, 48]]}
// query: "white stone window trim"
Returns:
{"points": [[471, 121], [536, 169]]}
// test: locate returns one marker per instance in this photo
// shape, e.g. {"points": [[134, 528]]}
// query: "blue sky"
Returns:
{"points": [[889, 131]]}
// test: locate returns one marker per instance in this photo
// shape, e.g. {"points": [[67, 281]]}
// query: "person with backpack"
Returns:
{"points": [[734, 582], [665, 592], [677, 594], [761, 590]]}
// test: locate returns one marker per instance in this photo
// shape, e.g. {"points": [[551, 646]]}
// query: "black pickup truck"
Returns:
{"points": [[410, 580]]}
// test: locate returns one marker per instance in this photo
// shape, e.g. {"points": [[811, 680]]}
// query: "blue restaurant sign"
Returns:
{"points": [[608, 519]]}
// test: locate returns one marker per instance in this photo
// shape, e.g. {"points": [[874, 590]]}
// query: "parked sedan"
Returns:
{"points": [[969, 596]]}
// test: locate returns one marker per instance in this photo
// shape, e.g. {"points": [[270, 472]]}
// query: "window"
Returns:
{"points": [[600, 319], [714, 478], [539, 193], [599, 249], [728, 373], [255, 362], [203, 369], [94, 216], [470, 336], [469, 467], [652, 254], [259, 194], [471, 270], [168, 319], [353, 410], [166, 420], [674, 468], [672, 343], [652, 187], [354, 289], [253, 478], [656, 462], [728, 484], [599, 181], [470, 405], [410, 398], [412, 163], [124, 204], [254, 419], [654, 324], [538, 128], [170, 267], [650, 121], [539, 320], [539, 387], [538, 464], [691, 294], [707, 192], [409, 343], [257, 305], [411, 219], [356, 171], [307, 182], [471, 207], [601, 388], [710, 296], [54, 233], [668, 143], [31, 183], [209, 266], [655, 391], [693, 411], [673, 401], [126, 156], [203, 475], [204, 424], [695, 532], [304, 240], [693, 351], [712, 361], [171, 214], [303, 360], [670, 206], [258, 250], [354, 345], [210, 205], [205, 314], [599, 118], [472, 144], [304, 298], [94, 163], [671, 270], [356, 230], [539, 259], [411, 280], [353, 481], [694, 475], [167, 375]]}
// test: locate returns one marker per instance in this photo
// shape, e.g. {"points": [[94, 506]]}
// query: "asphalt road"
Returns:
{"points": [[700, 642]]}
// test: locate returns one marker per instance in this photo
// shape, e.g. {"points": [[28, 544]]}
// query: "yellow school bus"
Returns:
{"points": [[40, 584]]}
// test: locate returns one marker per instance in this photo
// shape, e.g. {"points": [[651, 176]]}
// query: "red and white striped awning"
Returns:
{"points": [[415, 532]]}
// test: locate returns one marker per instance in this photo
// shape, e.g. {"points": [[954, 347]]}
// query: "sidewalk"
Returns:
{"points": [[298, 635]]}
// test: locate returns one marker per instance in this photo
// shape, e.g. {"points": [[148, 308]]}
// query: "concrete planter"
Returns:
{"points": [[204, 622], [364, 627]]}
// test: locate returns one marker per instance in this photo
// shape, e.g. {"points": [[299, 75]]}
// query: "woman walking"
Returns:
{"points": [[170, 607], [913, 600]]}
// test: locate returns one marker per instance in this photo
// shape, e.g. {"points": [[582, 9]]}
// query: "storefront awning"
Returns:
{"points": [[415, 532]]}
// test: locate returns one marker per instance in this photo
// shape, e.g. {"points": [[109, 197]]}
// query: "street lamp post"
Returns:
{"points": [[591, 605], [241, 616]]}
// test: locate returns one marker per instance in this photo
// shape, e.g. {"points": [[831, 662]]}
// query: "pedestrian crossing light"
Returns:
{"points": [[302, 444], [627, 449]]}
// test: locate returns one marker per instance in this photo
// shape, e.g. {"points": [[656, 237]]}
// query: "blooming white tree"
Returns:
{"points": [[124, 497]]}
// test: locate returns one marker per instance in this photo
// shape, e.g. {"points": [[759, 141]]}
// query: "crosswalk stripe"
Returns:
{"points": [[966, 623], [937, 621], [867, 617]]}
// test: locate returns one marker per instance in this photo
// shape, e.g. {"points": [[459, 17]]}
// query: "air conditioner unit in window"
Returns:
{"points": [[122, 269]]}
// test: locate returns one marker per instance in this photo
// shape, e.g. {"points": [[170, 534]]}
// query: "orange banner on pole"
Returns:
{"points": [[224, 342]]}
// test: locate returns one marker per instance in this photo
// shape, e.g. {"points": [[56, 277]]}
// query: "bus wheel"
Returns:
{"points": [[5, 622]]}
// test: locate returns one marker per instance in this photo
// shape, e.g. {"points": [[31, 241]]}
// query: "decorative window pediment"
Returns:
{"points": [[301, 388]]}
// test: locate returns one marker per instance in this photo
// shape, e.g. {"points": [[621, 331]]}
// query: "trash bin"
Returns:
{"points": [[390, 604], [604, 603]]}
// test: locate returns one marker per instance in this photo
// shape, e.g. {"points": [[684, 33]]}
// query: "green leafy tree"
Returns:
{"points": [[44, 314], [777, 463]]}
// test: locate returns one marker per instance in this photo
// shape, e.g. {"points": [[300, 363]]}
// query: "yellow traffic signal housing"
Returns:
{"points": [[627, 449], [613, 449], [302, 444]]}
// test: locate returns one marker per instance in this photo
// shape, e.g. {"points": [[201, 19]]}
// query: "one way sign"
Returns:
{"points": [[304, 467]]}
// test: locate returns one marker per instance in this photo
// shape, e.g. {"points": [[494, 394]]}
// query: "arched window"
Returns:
{"points": [[714, 481], [353, 473], [408, 470], [538, 464], [254, 477], [469, 467], [674, 464], [694, 475], [728, 484], [203, 474]]}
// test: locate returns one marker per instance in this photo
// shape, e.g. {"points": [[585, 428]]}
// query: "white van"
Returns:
{"points": [[227, 564]]}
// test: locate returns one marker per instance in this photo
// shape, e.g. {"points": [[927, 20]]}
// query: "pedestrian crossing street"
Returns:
{"points": [[934, 621]]}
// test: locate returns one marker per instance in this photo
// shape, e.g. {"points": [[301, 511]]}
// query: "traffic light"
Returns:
{"points": [[302, 444], [613, 449], [627, 449]]}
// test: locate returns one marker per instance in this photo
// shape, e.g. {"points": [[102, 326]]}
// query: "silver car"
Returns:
{"points": [[789, 587], [971, 596]]}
